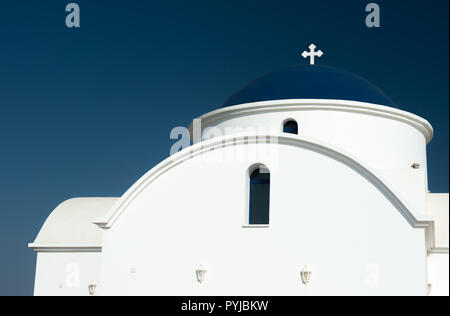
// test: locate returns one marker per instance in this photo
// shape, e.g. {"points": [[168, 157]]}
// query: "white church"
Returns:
{"points": [[307, 181]]}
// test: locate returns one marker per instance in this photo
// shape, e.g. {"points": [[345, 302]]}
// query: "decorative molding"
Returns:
{"points": [[439, 251], [415, 219], [255, 226], [64, 248], [417, 122]]}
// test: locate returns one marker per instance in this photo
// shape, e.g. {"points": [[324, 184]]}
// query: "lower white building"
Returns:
{"points": [[308, 181]]}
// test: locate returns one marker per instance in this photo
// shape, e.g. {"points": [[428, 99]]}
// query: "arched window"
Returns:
{"points": [[259, 196], [290, 127]]}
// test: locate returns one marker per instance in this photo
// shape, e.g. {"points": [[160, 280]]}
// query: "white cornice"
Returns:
{"points": [[414, 218], [38, 247], [417, 122], [439, 250]]}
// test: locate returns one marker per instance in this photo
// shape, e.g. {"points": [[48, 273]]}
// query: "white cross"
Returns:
{"points": [[312, 53]]}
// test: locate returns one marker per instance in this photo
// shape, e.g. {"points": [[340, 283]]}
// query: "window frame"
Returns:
{"points": [[249, 173]]}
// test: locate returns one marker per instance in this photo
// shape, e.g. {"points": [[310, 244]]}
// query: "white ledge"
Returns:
{"points": [[439, 250], [55, 247]]}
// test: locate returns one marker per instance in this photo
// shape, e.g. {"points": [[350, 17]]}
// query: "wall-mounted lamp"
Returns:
{"points": [[92, 288], [306, 275], [201, 274], [415, 165]]}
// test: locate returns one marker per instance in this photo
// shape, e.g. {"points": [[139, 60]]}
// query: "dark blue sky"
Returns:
{"points": [[86, 112]]}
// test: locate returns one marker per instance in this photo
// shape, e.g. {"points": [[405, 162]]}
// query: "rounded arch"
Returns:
{"points": [[255, 167], [416, 220]]}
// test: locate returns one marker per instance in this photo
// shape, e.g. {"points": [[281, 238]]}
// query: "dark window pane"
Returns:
{"points": [[290, 127], [259, 197]]}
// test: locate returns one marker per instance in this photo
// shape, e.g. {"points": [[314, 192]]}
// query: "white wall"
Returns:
{"points": [[385, 144], [438, 208], [66, 273], [438, 262], [438, 274], [323, 214]]}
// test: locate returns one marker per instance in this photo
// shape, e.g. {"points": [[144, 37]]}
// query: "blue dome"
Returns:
{"points": [[309, 82]]}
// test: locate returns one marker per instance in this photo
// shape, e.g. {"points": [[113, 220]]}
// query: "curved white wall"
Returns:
{"points": [[385, 139], [323, 214]]}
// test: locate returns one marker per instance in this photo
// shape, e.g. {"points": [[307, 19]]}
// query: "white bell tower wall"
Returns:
{"points": [[388, 140]]}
